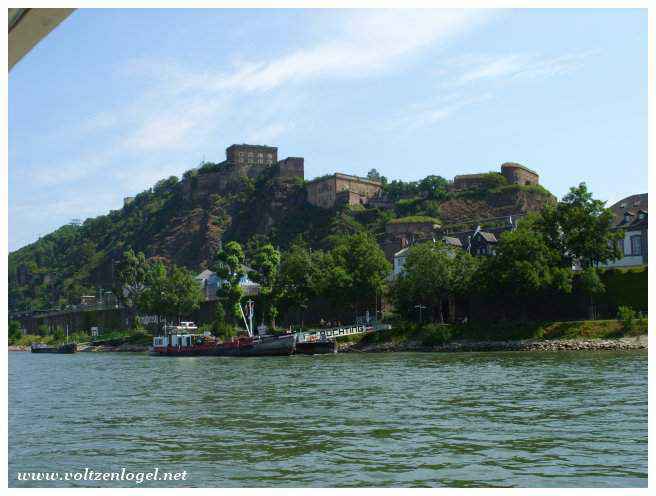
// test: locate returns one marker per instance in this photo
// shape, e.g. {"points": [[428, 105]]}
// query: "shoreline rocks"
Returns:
{"points": [[632, 343]]}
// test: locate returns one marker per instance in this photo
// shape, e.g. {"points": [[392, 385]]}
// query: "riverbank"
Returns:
{"points": [[590, 335], [86, 347], [631, 343], [115, 341]]}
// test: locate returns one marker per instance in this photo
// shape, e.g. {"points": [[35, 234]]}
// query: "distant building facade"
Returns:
{"points": [[252, 154], [210, 282], [519, 174], [341, 189], [292, 167], [631, 216], [469, 181]]}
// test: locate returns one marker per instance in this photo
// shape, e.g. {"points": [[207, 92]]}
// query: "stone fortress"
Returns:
{"points": [[514, 174], [335, 189]]}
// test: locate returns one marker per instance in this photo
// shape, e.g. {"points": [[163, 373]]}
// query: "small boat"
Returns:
{"points": [[44, 348]]}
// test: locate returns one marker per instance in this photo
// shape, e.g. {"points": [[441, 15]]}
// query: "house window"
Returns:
{"points": [[636, 245], [620, 246]]}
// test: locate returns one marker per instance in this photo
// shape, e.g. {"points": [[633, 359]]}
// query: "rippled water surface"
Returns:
{"points": [[397, 419]]}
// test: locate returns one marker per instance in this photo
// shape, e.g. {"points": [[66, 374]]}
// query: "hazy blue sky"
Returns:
{"points": [[114, 100]]}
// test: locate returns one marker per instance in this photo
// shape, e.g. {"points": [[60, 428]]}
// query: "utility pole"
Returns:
{"points": [[250, 315], [420, 308]]}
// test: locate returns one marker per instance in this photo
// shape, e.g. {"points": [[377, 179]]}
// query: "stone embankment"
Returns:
{"points": [[627, 343]]}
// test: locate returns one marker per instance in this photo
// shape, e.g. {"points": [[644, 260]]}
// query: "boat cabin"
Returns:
{"points": [[180, 336]]}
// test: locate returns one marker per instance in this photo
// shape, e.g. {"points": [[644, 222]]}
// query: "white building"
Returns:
{"points": [[209, 282], [631, 217]]}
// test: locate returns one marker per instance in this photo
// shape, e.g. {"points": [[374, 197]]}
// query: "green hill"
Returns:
{"points": [[184, 221]]}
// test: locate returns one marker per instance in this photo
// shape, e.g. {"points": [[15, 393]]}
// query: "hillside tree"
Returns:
{"points": [[580, 228], [229, 266], [265, 266]]}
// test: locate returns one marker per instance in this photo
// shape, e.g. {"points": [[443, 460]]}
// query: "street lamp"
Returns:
{"points": [[420, 308]]}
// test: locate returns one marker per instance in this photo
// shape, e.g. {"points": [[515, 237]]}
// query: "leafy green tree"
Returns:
{"points": [[591, 286], [152, 299], [354, 272], [14, 332], [229, 266], [526, 266], [221, 327], [265, 265], [396, 189], [296, 284], [182, 293], [170, 293], [373, 175], [580, 228], [434, 187], [130, 280], [432, 274]]}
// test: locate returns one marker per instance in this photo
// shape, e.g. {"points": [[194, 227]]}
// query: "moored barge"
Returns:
{"points": [[183, 340]]}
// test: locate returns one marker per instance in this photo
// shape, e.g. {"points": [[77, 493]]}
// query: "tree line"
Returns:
{"points": [[352, 274]]}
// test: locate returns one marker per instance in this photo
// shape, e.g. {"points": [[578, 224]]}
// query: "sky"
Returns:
{"points": [[114, 100]]}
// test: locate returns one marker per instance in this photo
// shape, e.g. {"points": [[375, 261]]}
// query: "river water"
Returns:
{"points": [[391, 419]]}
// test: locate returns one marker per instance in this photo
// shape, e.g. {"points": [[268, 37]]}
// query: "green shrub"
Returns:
{"points": [[435, 334], [203, 328], [224, 331], [627, 316], [15, 332]]}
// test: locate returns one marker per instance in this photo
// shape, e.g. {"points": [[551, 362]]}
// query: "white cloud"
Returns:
{"points": [[470, 78], [360, 43], [473, 69], [427, 114], [369, 42]]}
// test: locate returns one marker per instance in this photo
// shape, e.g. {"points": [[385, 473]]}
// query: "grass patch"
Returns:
{"points": [[117, 338], [411, 219], [437, 334]]}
